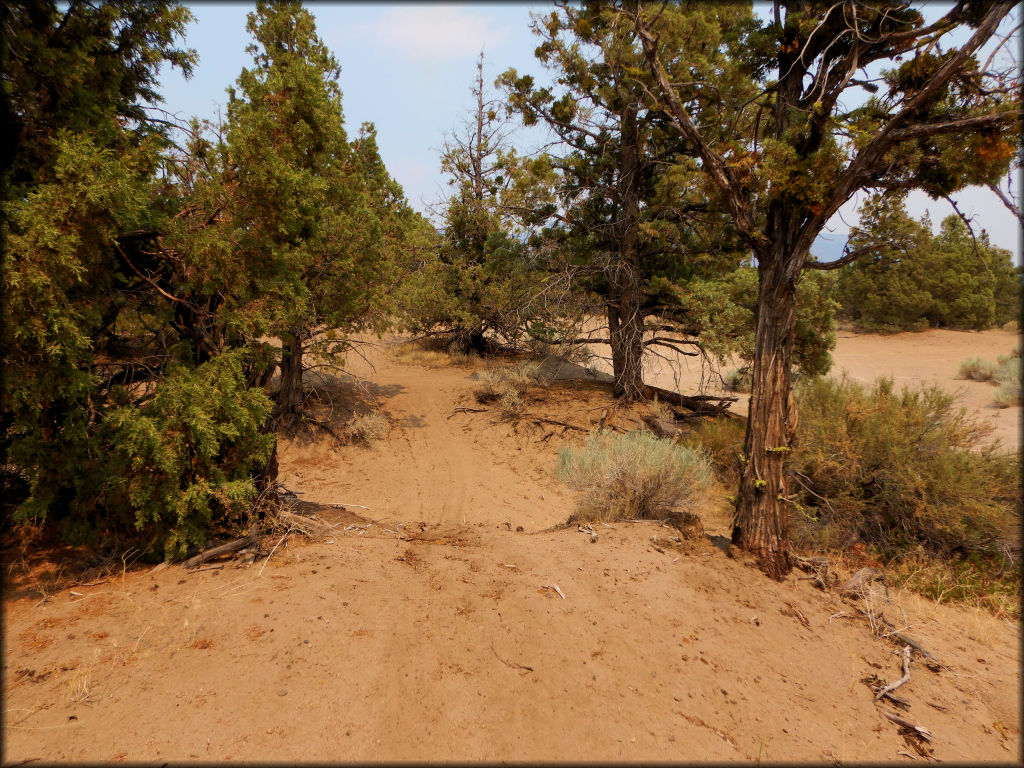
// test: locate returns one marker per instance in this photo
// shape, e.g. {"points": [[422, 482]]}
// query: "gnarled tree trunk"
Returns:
{"points": [[761, 522], [289, 396], [625, 315]]}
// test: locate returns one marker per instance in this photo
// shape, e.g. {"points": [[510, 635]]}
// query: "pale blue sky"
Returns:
{"points": [[408, 68]]}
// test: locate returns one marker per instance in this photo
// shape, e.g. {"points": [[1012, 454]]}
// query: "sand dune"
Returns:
{"points": [[431, 629]]}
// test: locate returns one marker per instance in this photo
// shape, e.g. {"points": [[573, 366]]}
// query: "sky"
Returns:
{"points": [[408, 69]]}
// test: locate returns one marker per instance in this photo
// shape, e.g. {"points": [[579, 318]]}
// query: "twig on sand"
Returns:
{"points": [[920, 730], [466, 410], [906, 675], [207, 568], [511, 664], [556, 588]]}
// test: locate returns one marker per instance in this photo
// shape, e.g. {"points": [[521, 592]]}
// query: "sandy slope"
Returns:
{"points": [[430, 634]]}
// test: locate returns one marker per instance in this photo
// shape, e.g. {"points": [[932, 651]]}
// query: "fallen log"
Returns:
{"points": [[701, 405], [223, 549]]}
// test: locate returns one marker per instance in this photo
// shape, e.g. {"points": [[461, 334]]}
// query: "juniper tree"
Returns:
{"points": [[909, 278], [477, 291], [108, 421], [304, 212], [631, 208], [828, 122]]}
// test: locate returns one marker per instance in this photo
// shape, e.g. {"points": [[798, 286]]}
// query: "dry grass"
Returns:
{"points": [[368, 428], [506, 385], [421, 353]]}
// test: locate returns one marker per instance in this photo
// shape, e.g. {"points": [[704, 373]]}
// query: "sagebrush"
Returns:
{"points": [[900, 471], [634, 475]]}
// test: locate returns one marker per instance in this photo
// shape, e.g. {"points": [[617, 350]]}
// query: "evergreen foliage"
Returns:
{"points": [[477, 291], [634, 223], [910, 279], [306, 203], [142, 277]]}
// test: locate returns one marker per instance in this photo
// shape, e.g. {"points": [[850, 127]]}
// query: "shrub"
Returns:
{"points": [[899, 471], [978, 369], [635, 475], [1009, 391], [184, 462], [506, 385], [738, 380], [721, 441], [368, 427]]}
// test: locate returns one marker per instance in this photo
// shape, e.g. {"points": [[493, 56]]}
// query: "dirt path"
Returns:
{"points": [[436, 467]]}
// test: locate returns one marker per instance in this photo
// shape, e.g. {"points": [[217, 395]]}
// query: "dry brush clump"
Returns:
{"points": [[506, 386], [1005, 373], [367, 428], [908, 474], [738, 379], [634, 476], [430, 353]]}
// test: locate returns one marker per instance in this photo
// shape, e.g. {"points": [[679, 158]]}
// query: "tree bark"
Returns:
{"points": [[289, 396], [761, 521], [625, 315]]}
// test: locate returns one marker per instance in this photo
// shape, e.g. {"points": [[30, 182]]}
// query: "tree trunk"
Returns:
{"points": [[761, 522], [625, 332], [625, 316], [289, 396]]}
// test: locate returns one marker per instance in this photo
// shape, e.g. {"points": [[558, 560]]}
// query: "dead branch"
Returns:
{"points": [[923, 732], [466, 410], [900, 637], [538, 420], [223, 549], [906, 676]]}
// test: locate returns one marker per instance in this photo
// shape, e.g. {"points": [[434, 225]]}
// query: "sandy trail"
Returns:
{"points": [[436, 467]]}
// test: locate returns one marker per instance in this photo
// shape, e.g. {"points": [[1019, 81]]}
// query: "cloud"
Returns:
{"points": [[434, 32]]}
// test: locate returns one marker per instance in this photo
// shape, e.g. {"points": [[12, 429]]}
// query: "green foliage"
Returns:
{"points": [[477, 287], [634, 224], [898, 471], [87, 69], [721, 313], [909, 279], [185, 460], [125, 411], [635, 475], [316, 222]]}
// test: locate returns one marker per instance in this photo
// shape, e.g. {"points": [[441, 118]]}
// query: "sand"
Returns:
{"points": [[430, 630]]}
